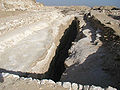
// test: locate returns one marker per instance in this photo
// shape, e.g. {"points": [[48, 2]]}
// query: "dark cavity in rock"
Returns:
{"points": [[57, 65]]}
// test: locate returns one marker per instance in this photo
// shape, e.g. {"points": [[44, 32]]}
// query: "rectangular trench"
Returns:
{"points": [[57, 65]]}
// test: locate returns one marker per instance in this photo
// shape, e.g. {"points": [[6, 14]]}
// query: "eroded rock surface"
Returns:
{"points": [[93, 51], [30, 34], [12, 5], [34, 44]]}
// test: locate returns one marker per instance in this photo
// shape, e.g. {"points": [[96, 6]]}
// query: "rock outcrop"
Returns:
{"points": [[105, 8], [95, 51], [38, 34], [107, 21], [111, 40], [12, 5]]}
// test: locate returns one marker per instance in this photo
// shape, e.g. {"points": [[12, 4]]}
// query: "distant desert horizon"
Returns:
{"points": [[90, 3]]}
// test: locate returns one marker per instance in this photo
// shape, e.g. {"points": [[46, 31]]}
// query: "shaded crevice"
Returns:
{"points": [[115, 17], [57, 65]]}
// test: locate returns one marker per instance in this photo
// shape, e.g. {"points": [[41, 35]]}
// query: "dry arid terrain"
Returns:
{"points": [[58, 47]]}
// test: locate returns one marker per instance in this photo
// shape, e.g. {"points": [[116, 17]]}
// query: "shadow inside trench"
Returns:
{"points": [[1, 78], [57, 65]]}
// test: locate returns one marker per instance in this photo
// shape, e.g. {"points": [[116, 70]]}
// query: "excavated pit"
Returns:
{"points": [[57, 66]]}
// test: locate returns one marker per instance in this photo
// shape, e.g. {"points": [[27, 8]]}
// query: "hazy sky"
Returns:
{"points": [[80, 2]]}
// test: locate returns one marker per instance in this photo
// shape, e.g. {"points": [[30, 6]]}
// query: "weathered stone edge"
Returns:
{"points": [[67, 85]]}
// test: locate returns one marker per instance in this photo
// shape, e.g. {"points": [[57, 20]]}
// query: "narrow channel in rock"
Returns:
{"points": [[57, 65]]}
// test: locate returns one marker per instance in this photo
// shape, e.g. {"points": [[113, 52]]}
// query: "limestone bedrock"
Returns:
{"points": [[12, 5], [31, 47]]}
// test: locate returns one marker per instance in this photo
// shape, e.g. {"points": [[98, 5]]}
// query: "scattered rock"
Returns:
{"points": [[110, 88], [74, 86], [86, 87], [67, 85], [80, 87]]}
